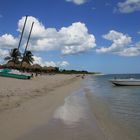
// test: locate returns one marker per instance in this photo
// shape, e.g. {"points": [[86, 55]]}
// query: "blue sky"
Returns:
{"points": [[93, 35]]}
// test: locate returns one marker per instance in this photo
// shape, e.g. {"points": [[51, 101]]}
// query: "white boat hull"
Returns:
{"points": [[126, 82]]}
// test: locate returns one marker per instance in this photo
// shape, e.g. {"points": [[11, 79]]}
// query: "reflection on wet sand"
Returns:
{"points": [[72, 121]]}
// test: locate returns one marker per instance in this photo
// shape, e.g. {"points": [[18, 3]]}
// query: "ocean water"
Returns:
{"points": [[119, 107], [97, 111]]}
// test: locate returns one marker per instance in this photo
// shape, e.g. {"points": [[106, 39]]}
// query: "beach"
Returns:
{"points": [[46, 107], [14, 91], [25, 104], [68, 107]]}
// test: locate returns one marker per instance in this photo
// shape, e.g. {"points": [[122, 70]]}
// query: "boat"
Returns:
{"points": [[14, 74], [126, 82]]}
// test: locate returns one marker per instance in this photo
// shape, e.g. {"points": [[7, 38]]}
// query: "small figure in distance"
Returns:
{"points": [[83, 76], [36, 74]]}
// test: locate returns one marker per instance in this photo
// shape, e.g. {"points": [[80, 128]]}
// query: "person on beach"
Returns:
{"points": [[83, 76]]}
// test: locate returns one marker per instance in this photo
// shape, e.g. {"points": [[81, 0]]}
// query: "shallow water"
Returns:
{"points": [[121, 103], [98, 111]]}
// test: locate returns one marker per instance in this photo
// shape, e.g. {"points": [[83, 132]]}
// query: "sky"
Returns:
{"points": [[93, 35]]}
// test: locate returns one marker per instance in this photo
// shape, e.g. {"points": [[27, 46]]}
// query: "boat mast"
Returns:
{"points": [[22, 32], [27, 42], [29, 38]]}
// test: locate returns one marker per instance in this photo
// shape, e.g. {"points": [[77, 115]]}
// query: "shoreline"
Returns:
{"points": [[37, 107], [34, 108]]}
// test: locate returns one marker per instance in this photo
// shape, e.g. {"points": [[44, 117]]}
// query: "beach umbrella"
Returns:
{"points": [[51, 69], [36, 67], [10, 64], [25, 65], [44, 68]]}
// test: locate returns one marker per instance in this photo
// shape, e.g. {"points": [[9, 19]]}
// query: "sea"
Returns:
{"points": [[97, 111], [120, 105]]}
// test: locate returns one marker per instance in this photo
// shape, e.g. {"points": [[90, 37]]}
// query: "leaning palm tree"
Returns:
{"points": [[14, 56], [28, 57]]}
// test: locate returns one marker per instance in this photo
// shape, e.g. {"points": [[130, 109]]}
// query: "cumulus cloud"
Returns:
{"points": [[38, 31], [78, 2], [63, 64], [39, 60], [122, 45], [68, 40], [76, 39], [3, 53], [119, 41], [132, 51], [8, 41], [128, 6]]}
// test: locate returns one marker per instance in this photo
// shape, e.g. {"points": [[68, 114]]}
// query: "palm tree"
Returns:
{"points": [[28, 57], [14, 56]]}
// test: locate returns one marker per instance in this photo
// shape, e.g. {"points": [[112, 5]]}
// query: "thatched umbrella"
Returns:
{"points": [[51, 69], [25, 65], [36, 67], [44, 69], [10, 64]]}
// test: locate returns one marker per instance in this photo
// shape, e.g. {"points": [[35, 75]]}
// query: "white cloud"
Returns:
{"points": [[38, 31], [119, 41], [121, 45], [1, 16], [132, 51], [76, 39], [63, 64], [68, 40], [128, 6], [3, 53], [39, 60], [78, 2], [138, 32], [8, 41]]}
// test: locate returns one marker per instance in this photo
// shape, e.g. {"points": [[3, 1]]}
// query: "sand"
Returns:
{"points": [[27, 104], [28, 107], [14, 91]]}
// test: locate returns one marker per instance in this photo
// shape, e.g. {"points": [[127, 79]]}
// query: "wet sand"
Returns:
{"points": [[71, 121]]}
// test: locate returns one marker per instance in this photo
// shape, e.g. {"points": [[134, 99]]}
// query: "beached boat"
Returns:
{"points": [[14, 74], [126, 82]]}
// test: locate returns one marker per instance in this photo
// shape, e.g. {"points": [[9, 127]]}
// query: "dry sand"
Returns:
{"points": [[26, 104], [14, 91]]}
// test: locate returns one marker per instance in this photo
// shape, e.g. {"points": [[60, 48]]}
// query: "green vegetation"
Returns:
{"points": [[14, 56], [28, 57], [77, 72]]}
